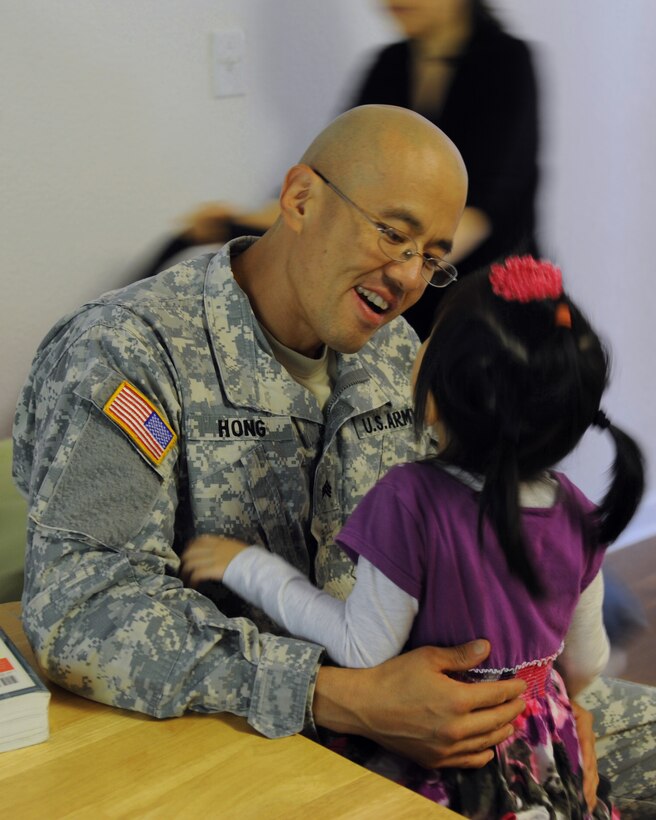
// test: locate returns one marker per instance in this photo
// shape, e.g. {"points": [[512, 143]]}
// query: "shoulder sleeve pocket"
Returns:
{"points": [[99, 484], [105, 489]]}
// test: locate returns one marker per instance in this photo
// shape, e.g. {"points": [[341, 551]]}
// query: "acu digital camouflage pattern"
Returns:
{"points": [[255, 458], [625, 725]]}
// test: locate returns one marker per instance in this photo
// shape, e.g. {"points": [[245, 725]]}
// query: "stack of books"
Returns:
{"points": [[24, 700]]}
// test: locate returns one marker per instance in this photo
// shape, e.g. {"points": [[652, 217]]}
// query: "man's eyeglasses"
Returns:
{"points": [[400, 247]]}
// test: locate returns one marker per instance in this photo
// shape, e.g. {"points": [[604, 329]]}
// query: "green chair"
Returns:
{"points": [[13, 525]]}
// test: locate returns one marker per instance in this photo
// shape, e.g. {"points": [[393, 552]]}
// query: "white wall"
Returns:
{"points": [[109, 131]]}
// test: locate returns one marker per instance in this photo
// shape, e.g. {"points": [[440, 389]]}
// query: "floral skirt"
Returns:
{"points": [[534, 775]]}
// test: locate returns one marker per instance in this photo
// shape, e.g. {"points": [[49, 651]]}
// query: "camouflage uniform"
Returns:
{"points": [[625, 724], [253, 457]]}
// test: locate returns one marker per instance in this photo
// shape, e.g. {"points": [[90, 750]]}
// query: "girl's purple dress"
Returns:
{"points": [[418, 526]]}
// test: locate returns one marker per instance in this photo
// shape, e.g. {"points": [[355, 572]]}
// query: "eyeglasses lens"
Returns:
{"points": [[440, 274]]}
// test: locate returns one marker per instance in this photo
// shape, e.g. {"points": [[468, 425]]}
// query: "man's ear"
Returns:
{"points": [[295, 195]]}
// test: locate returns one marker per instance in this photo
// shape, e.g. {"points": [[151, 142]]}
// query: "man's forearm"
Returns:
{"points": [[337, 699]]}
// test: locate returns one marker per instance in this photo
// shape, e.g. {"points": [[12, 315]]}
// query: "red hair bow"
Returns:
{"points": [[526, 279]]}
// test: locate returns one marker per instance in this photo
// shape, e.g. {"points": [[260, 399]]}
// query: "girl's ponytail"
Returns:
{"points": [[499, 503], [626, 486]]}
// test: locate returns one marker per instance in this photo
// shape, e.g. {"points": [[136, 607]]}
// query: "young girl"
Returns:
{"points": [[482, 540]]}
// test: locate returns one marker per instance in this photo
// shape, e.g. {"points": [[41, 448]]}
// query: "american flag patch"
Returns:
{"points": [[132, 411]]}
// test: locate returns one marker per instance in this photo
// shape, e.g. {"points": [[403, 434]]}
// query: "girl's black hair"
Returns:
{"points": [[516, 391]]}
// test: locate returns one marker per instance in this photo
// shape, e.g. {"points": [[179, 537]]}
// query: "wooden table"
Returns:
{"points": [[102, 762]]}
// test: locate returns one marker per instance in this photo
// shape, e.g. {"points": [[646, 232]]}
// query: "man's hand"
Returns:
{"points": [[206, 558], [586, 735], [408, 705]]}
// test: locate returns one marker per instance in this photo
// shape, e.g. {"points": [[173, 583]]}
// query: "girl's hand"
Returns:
{"points": [[206, 558]]}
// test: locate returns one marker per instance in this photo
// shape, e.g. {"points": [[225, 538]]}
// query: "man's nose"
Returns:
{"points": [[407, 275]]}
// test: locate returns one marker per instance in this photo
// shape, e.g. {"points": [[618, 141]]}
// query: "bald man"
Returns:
{"points": [[258, 393]]}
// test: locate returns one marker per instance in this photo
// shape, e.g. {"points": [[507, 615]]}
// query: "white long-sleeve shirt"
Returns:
{"points": [[374, 622]]}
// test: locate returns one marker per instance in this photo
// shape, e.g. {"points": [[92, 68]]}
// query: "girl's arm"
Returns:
{"points": [[371, 626], [587, 648]]}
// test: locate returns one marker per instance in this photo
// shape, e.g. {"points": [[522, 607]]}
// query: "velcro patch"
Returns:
{"points": [[135, 414]]}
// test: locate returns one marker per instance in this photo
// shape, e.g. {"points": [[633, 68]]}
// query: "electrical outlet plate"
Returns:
{"points": [[228, 72]]}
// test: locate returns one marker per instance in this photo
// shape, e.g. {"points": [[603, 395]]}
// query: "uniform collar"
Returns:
{"points": [[252, 377]]}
